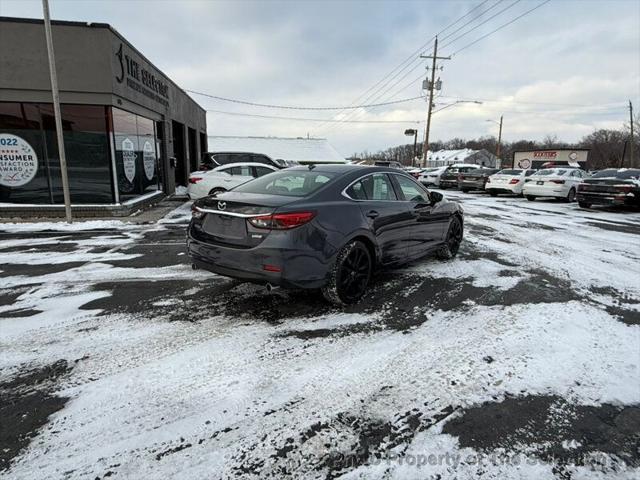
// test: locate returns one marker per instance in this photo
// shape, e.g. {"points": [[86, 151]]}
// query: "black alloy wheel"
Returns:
{"points": [[350, 275], [453, 240]]}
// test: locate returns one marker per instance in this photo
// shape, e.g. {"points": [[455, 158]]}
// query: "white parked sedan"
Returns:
{"points": [[431, 176], [554, 182], [509, 180], [224, 178]]}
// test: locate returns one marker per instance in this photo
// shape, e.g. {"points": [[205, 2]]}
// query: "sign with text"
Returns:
{"points": [[133, 72], [540, 158], [18, 161]]}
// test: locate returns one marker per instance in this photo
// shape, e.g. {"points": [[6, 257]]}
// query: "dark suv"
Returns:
{"points": [[449, 179], [211, 160], [475, 179]]}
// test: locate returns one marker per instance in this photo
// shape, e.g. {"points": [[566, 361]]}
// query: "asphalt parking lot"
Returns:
{"points": [[518, 359]]}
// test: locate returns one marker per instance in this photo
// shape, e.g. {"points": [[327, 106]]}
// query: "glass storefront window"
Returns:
{"points": [[30, 127], [136, 154], [30, 167]]}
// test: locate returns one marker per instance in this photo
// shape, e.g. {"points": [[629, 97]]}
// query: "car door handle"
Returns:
{"points": [[373, 214]]}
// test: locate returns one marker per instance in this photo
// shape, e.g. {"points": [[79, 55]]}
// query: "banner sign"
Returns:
{"points": [[18, 161]]}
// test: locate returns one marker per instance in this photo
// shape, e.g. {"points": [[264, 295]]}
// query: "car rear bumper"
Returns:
{"points": [[604, 198], [298, 268], [472, 185], [504, 188], [544, 191], [449, 183]]}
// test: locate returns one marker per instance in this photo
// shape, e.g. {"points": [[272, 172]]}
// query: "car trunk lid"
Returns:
{"points": [[225, 217]]}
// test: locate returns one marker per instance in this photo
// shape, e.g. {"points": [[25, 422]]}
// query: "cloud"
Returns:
{"points": [[329, 53]]}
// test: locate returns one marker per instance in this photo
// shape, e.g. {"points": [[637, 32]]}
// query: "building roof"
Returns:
{"points": [[304, 150], [451, 155]]}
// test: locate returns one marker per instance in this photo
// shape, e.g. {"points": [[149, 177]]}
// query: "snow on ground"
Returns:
{"points": [[163, 371]]}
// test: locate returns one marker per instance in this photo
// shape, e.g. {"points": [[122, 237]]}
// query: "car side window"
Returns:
{"points": [[243, 170], [411, 191], [356, 191], [372, 187], [260, 171]]}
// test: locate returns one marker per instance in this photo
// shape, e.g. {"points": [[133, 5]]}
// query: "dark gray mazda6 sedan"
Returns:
{"points": [[322, 226]]}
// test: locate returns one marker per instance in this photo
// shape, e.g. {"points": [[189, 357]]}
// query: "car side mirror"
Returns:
{"points": [[435, 197]]}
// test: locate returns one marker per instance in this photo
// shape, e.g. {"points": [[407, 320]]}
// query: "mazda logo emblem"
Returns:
{"points": [[222, 205]]}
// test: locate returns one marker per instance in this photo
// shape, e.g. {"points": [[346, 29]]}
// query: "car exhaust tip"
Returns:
{"points": [[271, 288]]}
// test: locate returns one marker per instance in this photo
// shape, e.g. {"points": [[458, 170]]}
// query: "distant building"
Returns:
{"points": [[302, 150], [442, 158]]}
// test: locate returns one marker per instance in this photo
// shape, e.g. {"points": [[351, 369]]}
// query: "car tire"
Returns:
{"points": [[584, 205], [217, 190], [531, 198], [571, 196], [493, 194], [452, 242], [350, 274]]}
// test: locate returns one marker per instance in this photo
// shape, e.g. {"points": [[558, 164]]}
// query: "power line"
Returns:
{"points": [[477, 40], [289, 107], [411, 59], [305, 119], [500, 27], [481, 23], [471, 21]]}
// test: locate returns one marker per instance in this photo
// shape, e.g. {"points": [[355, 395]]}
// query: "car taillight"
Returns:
{"points": [[559, 182], [195, 213], [582, 186], [513, 181], [194, 180], [282, 221]]}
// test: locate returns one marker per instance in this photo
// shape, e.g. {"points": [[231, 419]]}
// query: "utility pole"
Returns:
{"points": [[499, 140], [632, 140], [56, 111], [431, 85]]}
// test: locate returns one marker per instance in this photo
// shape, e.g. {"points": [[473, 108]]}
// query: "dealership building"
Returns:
{"points": [[550, 158], [131, 135]]}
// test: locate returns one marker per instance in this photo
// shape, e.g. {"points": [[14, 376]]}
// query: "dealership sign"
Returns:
{"points": [[133, 73], [540, 158], [18, 161], [129, 159], [148, 160]]}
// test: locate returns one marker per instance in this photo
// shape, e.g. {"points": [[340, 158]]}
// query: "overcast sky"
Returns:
{"points": [[564, 69]]}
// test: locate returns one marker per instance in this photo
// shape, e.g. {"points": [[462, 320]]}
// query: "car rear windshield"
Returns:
{"points": [[552, 171], [509, 172], [623, 173], [289, 183]]}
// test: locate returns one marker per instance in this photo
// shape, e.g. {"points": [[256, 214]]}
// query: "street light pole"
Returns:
{"points": [[408, 132], [499, 139], [56, 112], [499, 146]]}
